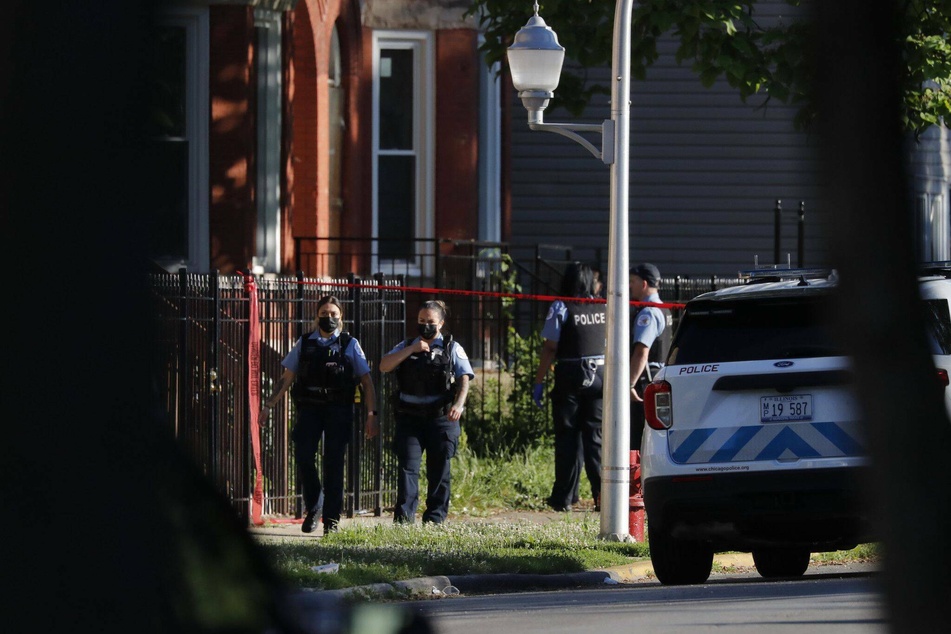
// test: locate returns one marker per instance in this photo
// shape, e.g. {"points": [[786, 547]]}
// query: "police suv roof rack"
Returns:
{"points": [[775, 274], [938, 267]]}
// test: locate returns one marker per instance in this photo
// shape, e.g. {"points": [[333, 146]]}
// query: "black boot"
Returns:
{"points": [[310, 521]]}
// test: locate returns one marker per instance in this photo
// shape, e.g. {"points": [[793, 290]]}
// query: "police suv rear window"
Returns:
{"points": [[755, 329], [938, 321]]}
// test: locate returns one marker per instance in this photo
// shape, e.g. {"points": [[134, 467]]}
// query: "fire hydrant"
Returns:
{"points": [[637, 513]]}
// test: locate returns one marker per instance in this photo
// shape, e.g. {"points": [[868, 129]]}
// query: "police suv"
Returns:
{"points": [[753, 441], [934, 285]]}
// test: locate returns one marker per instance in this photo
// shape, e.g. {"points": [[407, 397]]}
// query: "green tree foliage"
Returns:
{"points": [[727, 40]]}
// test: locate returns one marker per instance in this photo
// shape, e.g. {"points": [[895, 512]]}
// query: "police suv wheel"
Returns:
{"points": [[781, 562], [678, 562]]}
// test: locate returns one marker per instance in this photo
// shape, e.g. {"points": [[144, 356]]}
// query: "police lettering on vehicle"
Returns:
{"points": [[699, 369]]}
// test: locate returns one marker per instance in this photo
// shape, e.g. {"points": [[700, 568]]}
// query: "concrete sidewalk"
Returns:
{"points": [[639, 571]]}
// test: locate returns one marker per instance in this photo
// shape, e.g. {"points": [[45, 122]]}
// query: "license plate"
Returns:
{"points": [[783, 408]]}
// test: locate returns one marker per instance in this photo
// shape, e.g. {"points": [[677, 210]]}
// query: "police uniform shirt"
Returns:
{"points": [[649, 324], [457, 358], [358, 360], [555, 321]]}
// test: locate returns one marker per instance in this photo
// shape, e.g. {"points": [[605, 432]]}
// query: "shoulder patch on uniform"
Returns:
{"points": [[461, 353], [643, 319], [551, 313]]}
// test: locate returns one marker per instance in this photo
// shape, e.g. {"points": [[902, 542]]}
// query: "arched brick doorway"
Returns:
{"points": [[324, 72]]}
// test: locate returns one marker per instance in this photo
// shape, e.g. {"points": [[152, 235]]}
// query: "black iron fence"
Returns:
{"points": [[203, 378]]}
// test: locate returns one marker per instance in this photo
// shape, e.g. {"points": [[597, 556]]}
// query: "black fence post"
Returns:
{"points": [[299, 310], [801, 242], [300, 303], [184, 371], [356, 304], [382, 402], [356, 441], [214, 349], [536, 264], [777, 217], [246, 458]]}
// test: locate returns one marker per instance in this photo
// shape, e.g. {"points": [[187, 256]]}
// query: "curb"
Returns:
{"points": [[640, 570], [417, 588], [513, 582], [447, 586], [440, 587]]}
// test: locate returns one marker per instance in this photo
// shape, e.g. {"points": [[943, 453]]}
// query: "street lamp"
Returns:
{"points": [[535, 60]]}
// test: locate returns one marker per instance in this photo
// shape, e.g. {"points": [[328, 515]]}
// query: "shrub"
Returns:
{"points": [[503, 418]]}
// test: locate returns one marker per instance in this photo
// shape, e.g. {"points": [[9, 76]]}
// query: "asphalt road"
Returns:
{"points": [[839, 601]]}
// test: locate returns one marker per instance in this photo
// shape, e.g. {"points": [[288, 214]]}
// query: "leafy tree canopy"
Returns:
{"points": [[764, 59]]}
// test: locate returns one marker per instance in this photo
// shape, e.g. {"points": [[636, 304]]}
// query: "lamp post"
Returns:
{"points": [[535, 60]]}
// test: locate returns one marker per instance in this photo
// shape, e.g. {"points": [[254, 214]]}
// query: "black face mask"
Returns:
{"points": [[328, 324], [427, 331]]}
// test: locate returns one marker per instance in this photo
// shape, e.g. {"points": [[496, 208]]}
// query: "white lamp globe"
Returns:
{"points": [[535, 58]]}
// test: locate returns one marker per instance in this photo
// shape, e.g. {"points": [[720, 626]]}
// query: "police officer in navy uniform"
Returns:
{"points": [[574, 340], [432, 374], [323, 369], [650, 340]]}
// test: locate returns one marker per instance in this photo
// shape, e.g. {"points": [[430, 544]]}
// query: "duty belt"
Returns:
{"points": [[325, 391], [425, 410], [324, 395], [595, 361]]}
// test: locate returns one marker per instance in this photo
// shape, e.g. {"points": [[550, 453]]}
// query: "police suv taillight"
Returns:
{"points": [[658, 408]]}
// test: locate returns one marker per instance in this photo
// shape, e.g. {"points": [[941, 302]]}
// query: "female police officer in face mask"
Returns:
{"points": [[574, 339], [432, 374], [324, 368]]}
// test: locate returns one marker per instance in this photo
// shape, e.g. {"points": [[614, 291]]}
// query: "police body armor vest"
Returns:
{"points": [[584, 331], [324, 373], [427, 374]]}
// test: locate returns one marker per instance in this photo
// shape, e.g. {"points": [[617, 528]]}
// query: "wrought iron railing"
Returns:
{"points": [[202, 380]]}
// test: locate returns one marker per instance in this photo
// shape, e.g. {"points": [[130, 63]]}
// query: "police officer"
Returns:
{"points": [[574, 339], [650, 341], [324, 367], [432, 374]]}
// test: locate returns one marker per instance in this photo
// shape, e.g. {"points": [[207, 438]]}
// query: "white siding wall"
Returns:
{"points": [[930, 162]]}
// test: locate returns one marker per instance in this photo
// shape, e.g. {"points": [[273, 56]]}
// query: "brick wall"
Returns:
{"points": [[231, 137], [457, 134]]}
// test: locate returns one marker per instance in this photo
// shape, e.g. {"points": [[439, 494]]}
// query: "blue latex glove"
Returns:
{"points": [[537, 394]]}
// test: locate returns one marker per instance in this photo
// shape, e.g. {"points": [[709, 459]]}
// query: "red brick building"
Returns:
{"points": [[292, 130]]}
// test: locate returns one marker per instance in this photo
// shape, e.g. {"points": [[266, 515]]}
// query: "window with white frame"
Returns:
{"points": [[267, 29], [403, 149], [179, 123]]}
